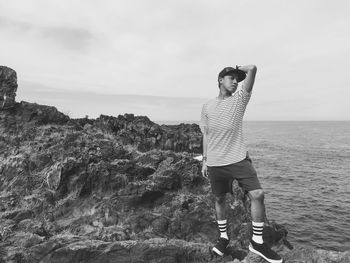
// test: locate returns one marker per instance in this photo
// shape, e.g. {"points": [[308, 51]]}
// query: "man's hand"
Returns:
{"points": [[205, 169], [249, 80]]}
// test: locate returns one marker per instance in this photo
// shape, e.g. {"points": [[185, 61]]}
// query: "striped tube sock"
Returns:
{"points": [[257, 232], [223, 227]]}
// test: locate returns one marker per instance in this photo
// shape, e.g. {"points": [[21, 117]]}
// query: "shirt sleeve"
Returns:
{"points": [[244, 96], [203, 123]]}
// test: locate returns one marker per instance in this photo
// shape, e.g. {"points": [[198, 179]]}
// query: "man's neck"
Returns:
{"points": [[222, 96]]}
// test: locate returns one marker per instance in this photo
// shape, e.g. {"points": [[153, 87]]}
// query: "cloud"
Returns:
{"points": [[71, 38], [176, 49], [76, 39]]}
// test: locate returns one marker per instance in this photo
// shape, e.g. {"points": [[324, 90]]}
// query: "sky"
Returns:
{"points": [[161, 58]]}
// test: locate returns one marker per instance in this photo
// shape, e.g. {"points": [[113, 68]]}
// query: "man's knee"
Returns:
{"points": [[220, 199], [257, 194]]}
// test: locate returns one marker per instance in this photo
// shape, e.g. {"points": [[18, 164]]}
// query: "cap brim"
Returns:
{"points": [[241, 74]]}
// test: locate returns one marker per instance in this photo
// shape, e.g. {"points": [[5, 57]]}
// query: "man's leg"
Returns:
{"points": [[258, 213], [257, 205], [220, 202], [219, 182], [257, 244], [223, 241], [220, 207]]}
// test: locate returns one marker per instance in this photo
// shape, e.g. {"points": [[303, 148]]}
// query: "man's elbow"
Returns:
{"points": [[254, 68]]}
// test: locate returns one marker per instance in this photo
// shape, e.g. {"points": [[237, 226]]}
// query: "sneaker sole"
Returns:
{"points": [[217, 251], [268, 259]]}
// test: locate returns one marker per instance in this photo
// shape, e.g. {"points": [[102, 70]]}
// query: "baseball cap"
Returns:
{"points": [[228, 70]]}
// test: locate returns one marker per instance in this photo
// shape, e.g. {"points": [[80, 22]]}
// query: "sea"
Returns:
{"points": [[304, 169]]}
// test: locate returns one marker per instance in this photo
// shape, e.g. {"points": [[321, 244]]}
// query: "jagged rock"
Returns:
{"points": [[62, 178], [75, 249], [115, 189], [146, 135], [8, 87]]}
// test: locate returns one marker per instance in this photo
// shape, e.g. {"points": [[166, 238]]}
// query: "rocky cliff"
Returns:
{"points": [[116, 189]]}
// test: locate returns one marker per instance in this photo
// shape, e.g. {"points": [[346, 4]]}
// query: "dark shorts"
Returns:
{"points": [[221, 177]]}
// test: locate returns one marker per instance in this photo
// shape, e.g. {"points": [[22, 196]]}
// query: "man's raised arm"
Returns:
{"points": [[249, 80]]}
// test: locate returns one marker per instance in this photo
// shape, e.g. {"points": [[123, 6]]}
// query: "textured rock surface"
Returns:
{"points": [[116, 189], [8, 87], [146, 135]]}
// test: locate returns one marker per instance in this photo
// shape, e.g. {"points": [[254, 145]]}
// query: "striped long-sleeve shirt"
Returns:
{"points": [[223, 119]]}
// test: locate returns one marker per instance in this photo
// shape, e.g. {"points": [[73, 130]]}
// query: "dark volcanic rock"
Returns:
{"points": [[146, 135], [115, 189], [8, 87], [64, 183]]}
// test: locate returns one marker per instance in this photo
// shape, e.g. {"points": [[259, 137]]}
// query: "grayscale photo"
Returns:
{"points": [[174, 131]]}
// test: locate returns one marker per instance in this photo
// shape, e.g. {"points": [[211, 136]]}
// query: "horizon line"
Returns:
{"points": [[254, 120]]}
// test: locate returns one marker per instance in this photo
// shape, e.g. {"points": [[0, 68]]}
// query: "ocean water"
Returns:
{"points": [[304, 168]]}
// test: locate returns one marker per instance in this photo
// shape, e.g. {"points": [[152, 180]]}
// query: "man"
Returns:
{"points": [[225, 156]]}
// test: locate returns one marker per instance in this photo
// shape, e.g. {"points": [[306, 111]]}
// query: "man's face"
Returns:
{"points": [[230, 82]]}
